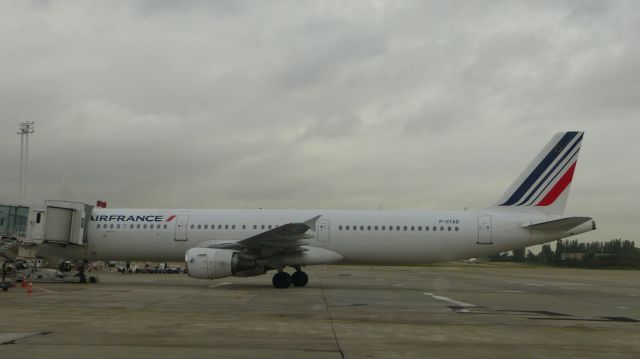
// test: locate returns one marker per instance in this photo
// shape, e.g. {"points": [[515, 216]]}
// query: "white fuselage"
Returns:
{"points": [[360, 236]]}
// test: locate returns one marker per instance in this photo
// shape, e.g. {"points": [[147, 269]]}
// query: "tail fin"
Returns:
{"points": [[545, 183]]}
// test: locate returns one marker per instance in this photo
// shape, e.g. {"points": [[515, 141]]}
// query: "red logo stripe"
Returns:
{"points": [[170, 218], [559, 187]]}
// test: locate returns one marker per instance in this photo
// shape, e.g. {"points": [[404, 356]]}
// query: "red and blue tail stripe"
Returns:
{"points": [[569, 156], [549, 177]]}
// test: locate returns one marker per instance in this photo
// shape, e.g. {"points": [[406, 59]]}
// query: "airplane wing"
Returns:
{"points": [[287, 238], [563, 224]]}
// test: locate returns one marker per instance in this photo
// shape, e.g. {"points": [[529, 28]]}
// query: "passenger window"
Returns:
{"points": [[111, 225], [144, 226], [206, 226], [368, 228], [426, 228], [138, 226], [397, 228], [98, 226], [165, 226], [376, 228], [442, 228], [255, 226], [269, 226], [391, 228], [449, 229], [383, 228], [405, 228], [219, 226], [192, 226], [435, 228], [339, 228], [233, 226], [412, 229], [131, 226], [347, 228], [457, 228], [244, 226], [199, 227], [419, 228], [38, 217], [263, 226], [362, 228]]}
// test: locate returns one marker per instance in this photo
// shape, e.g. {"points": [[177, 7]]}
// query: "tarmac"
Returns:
{"points": [[444, 311]]}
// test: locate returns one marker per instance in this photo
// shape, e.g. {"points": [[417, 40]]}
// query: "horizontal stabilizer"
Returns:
{"points": [[562, 224]]}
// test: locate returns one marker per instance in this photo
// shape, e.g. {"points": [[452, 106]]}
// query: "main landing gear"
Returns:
{"points": [[283, 279]]}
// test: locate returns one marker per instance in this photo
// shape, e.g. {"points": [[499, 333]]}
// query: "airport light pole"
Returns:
{"points": [[25, 129]]}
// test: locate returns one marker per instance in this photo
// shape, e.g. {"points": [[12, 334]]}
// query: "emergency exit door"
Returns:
{"points": [[323, 232], [181, 227], [485, 233]]}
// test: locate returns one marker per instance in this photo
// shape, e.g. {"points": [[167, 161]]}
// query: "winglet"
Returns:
{"points": [[311, 223]]}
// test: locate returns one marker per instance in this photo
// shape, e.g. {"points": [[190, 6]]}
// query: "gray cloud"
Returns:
{"points": [[414, 105]]}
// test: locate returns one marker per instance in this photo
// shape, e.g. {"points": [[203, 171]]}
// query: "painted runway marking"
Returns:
{"points": [[219, 284], [511, 291], [535, 285], [449, 300], [45, 290]]}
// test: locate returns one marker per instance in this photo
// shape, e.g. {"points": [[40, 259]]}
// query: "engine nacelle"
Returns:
{"points": [[210, 263]]}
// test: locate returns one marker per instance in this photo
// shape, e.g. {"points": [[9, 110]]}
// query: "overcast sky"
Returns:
{"points": [[294, 104]]}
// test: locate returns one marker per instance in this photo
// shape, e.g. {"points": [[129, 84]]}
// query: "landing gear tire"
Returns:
{"points": [[299, 279], [281, 280]]}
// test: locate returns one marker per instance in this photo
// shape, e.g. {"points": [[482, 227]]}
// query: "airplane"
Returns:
{"points": [[217, 243]]}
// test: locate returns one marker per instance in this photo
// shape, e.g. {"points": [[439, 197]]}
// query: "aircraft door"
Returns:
{"points": [[181, 227], [485, 235], [37, 225], [323, 227]]}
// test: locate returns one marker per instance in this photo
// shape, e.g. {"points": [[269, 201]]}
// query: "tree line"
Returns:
{"points": [[616, 253]]}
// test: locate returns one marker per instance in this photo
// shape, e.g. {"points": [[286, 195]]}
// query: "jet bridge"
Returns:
{"points": [[13, 221], [61, 222], [24, 229], [65, 222]]}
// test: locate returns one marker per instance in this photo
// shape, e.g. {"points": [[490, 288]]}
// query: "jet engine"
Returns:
{"points": [[210, 263]]}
